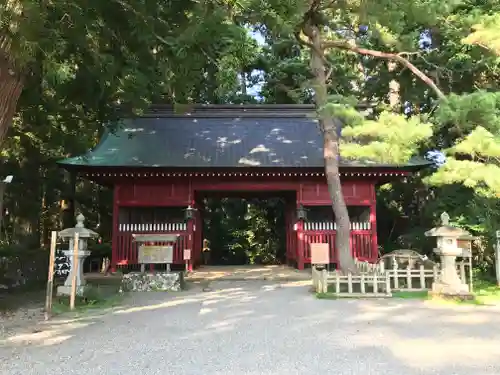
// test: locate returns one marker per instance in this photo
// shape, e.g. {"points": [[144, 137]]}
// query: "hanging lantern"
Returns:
{"points": [[301, 212], [189, 213]]}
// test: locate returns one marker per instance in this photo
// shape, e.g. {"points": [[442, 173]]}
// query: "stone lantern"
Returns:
{"points": [[448, 282], [83, 235]]}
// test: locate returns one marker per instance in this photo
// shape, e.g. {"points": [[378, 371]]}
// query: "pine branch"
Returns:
{"points": [[398, 57]]}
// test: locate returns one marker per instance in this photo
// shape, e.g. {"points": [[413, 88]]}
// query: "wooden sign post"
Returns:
{"points": [[72, 296], [320, 254], [320, 258], [155, 254], [50, 279]]}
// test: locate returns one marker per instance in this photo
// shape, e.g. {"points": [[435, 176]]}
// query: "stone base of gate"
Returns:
{"points": [[153, 282]]}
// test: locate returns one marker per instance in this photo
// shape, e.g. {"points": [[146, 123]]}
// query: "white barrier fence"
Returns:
{"points": [[418, 275], [362, 285], [411, 278]]}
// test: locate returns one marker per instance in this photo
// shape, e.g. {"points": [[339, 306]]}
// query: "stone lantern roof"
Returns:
{"points": [[79, 228], [446, 230]]}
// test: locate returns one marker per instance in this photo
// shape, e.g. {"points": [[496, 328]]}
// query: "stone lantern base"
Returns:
{"points": [[65, 290], [447, 291], [448, 283], [442, 288]]}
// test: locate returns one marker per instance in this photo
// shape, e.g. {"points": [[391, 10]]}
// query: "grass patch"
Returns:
{"points": [[485, 293], [404, 295], [421, 294], [326, 296], [95, 297]]}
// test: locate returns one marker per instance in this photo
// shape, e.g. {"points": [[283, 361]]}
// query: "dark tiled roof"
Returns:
{"points": [[214, 136]]}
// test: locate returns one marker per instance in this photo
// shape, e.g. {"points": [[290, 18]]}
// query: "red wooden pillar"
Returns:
{"points": [[299, 226], [191, 227], [352, 244], [289, 232], [114, 236], [301, 245], [197, 233], [293, 235], [373, 227]]}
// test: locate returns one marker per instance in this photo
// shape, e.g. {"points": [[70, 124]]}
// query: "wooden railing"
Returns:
{"points": [[126, 249], [153, 228], [361, 244], [330, 225]]}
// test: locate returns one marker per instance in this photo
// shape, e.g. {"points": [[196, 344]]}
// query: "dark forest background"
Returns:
{"points": [[82, 64]]}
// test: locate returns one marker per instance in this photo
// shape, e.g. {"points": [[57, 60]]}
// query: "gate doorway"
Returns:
{"points": [[242, 228]]}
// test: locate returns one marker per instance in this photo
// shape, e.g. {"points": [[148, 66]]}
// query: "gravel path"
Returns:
{"points": [[259, 329]]}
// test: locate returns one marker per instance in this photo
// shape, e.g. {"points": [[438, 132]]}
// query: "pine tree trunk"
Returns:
{"points": [[331, 153], [11, 86]]}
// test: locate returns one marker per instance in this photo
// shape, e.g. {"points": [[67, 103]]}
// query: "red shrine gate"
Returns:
{"points": [[160, 165], [302, 189]]}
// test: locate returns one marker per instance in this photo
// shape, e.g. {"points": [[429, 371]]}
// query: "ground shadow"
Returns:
{"points": [[277, 323]]}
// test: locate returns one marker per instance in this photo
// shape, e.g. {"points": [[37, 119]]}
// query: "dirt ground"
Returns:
{"points": [[261, 327], [21, 309]]}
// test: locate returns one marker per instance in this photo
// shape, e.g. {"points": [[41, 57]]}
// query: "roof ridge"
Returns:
{"points": [[224, 110]]}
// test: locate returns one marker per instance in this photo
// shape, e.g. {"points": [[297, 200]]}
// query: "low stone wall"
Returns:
{"points": [[157, 281]]}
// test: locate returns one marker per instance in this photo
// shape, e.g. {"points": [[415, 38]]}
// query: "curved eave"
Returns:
{"points": [[88, 161], [115, 173]]}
